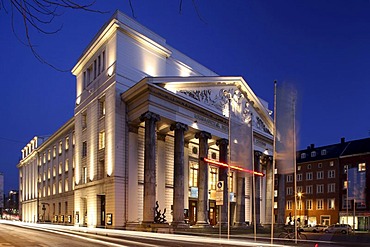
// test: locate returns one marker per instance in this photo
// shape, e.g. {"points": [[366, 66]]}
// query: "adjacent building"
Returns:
{"points": [[322, 185], [145, 116]]}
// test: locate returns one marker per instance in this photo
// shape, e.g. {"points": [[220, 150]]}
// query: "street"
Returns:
{"points": [[19, 234]]}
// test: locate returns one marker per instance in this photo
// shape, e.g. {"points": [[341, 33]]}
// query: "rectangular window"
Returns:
{"points": [[213, 177], [313, 154], [299, 205], [303, 155], [49, 155], [320, 188], [84, 149], [299, 177], [231, 182], [103, 61], [289, 190], [289, 205], [320, 175], [323, 152], [320, 204], [66, 165], [84, 120], [299, 168], [66, 188], [309, 204], [331, 163], [84, 174], [299, 189], [345, 184], [346, 203], [331, 203], [289, 178], [60, 168], [362, 167], [60, 147], [309, 176], [345, 169], [309, 189], [331, 188], [101, 140], [95, 69], [54, 151], [331, 174], [67, 143], [193, 174], [99, 64], [102, 107]]}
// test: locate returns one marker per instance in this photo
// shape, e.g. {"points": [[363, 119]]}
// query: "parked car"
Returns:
{"points": [[311, 228], [342, 228]]}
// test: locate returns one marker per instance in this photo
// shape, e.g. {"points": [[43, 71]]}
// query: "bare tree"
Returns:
{"points": [[39, 15]]}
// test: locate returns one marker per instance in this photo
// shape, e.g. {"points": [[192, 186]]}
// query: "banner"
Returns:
{"points": [[356, 185], [285, 103]]}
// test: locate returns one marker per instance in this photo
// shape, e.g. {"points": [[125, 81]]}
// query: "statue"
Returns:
{"points": [[159, 218]]}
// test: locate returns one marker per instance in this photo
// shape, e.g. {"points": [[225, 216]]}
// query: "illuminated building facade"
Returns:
{"points": [[322, 184], [144, 116]]}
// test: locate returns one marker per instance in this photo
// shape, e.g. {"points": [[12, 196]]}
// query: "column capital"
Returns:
{"points": [[203, 134], [179, 126], [133, 128], [150, 116], [222, 141], [161, 137]]}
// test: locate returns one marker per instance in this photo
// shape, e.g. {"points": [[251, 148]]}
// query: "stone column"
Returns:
{"points": [[269, 191], [178, 190], [222, 176], [133, 212], [240, 200], [150, 119], [257, 188], [202, 213]]}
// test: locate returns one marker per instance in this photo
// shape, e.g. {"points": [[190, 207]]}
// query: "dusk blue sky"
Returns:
{"points": [[320, 46]]}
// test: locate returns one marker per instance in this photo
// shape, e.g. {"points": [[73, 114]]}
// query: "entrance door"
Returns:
{"points": [[192, 212], [102, 210], [212, 213]]}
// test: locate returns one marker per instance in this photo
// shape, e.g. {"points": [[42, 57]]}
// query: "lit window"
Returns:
{"points": [[331, 203], [102, 107], [345, 184], [54, 188], [54, 171], [213, 177], [275, 205], [66, 165], [66, 188], [309, 204], [331, 163], [231, 182], [101, 140], [67, 143], [60, 186], [362, 167], [289, 205], [60, 169], [299, 205], [60, 147], [193, 176], [320, 204], [54, 151], [275, 193], [299, 168], [345, 169], [49, 155]]}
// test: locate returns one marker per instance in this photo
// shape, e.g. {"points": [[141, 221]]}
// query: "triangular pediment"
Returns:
{"points": [[213, 93]]}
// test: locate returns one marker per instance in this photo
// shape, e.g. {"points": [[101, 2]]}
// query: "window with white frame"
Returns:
{"points": [[331, 174], [331, 203], [303, 155], [289, 178], [299, 205], [313, 154], [213, 177], [331, 187], [309, 176], [289, 190], [309, 166], [320, 175], [193, 174], [299, 189], [309, 189], [345, 169], [319, 188], [320, 204], [102, 107], [319, 165], [323, 152], [299, 177], [289, 205], [309, 204]]}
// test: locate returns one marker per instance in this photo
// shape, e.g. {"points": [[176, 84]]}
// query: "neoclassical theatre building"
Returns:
{"points": [[131, 156]]}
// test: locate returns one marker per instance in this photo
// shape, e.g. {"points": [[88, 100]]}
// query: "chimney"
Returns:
{"points": [[312, 146], [342, 140]]}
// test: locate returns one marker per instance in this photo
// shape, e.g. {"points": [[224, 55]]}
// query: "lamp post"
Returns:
{"points": [[300, 205]]}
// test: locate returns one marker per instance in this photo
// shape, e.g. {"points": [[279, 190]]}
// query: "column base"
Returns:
{"points": [[202, 224], [240, 225], [179, 225]]}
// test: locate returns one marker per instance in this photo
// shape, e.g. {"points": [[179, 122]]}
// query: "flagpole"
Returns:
{"points": [[273, 169], [254, 184], [295, 170], [347, 196]]}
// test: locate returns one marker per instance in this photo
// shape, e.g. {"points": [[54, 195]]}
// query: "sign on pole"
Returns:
{"points": [[220, 193]]}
